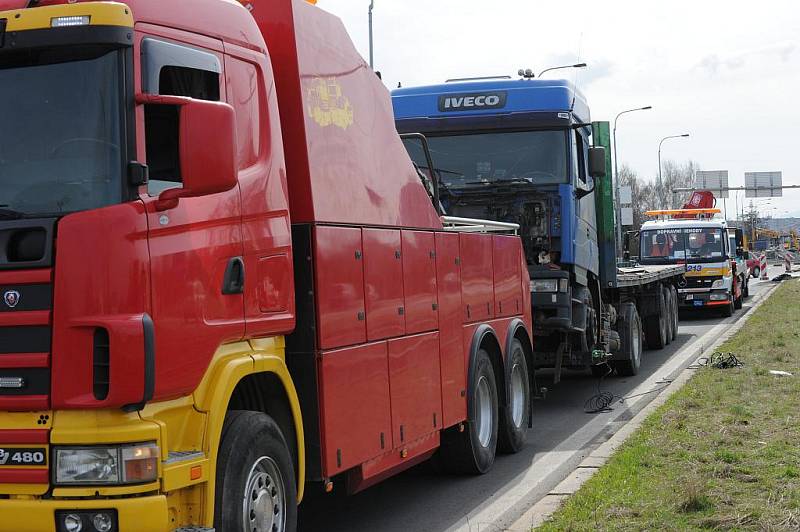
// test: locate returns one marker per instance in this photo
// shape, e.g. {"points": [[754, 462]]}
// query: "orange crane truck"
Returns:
{"points": [[223, 281]]}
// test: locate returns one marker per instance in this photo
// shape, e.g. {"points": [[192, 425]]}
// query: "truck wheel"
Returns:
{"points": [[472, 451], [675, 310], [655, 327], [727, 310], [737, 303], [255, 486], [746, 290], [670, 320], [515, 415], [630, 336]]}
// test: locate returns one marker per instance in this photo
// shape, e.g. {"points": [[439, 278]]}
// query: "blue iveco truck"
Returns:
{"points": [[522, 151]]}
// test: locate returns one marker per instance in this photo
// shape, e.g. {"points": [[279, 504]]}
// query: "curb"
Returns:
{"points": [[550, 503]]}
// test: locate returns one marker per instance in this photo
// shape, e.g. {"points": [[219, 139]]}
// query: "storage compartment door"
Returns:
{"points": [[383, 272], [419, 281]]}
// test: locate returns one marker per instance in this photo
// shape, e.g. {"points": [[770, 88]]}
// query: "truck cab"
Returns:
{"points": [[704, 246], [520, 151]]}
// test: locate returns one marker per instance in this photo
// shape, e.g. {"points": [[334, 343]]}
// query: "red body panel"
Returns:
{"points": [[451, 347], [340, 287], [384, 294], [415, 386], [419, 281], [115, 271], [477, 279], [346, 160], [354, 401], [507, 276]]}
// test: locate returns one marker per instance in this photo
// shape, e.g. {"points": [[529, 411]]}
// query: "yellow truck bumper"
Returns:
{"points": [[139, 514]]}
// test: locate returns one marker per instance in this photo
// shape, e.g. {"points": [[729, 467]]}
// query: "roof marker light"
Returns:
{"points": [[65, 22]]}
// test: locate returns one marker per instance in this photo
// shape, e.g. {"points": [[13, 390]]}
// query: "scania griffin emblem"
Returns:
{"points": [[11, 298]]}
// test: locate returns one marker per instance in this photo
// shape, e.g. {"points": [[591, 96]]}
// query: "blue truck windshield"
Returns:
{"points": [[683, 245], [535, 157], [61, 140]]}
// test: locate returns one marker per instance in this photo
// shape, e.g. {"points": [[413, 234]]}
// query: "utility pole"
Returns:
{"points": [[371, 52], [618, 208], [660, 187]]}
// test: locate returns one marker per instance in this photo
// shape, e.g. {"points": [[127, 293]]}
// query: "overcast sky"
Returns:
{"points": [[727, 72]]}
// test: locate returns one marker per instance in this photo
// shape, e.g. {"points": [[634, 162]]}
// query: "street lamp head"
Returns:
{"points": [[579, 65], [685, 135]]}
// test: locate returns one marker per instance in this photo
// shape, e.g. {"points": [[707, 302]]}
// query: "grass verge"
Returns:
{"points": [[722, 453]]}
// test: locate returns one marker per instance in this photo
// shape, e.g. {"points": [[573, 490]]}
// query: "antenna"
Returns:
{"points": [[575, 83]]}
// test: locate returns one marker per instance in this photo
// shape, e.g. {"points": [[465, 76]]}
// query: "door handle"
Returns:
{"points": [[233, 281]]}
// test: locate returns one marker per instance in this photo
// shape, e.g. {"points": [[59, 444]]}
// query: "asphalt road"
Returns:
{"points": [[423, 500]]}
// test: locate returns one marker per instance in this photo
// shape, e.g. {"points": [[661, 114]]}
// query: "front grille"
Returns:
{"points": [[26, 301], [700, 282], [27, 339]]}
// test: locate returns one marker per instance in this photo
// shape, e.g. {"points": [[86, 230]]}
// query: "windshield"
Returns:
{"points": [[691, 244], [60, 141], [538, 157]]}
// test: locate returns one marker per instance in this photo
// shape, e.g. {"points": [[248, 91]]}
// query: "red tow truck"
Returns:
{"points": [[222, 280]]}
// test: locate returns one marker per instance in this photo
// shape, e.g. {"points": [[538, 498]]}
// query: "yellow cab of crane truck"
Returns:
{"points": [[695, 238]]}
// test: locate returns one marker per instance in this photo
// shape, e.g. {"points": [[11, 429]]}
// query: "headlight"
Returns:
{"points": [[544, 285], [719, 283], [129, 464], [718, 296]]}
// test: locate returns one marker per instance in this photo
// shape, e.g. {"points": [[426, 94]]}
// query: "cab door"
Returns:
{"points": [[197, 245]]}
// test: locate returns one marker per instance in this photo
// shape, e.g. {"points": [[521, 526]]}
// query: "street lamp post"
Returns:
{"points": [[576, 65], [659, 160], [371, 55], [616, 176]]}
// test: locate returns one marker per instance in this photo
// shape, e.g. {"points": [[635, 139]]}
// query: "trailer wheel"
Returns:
{"points": [[655, 327], [675, 310], [255, 486], [472, 451], [670, 320], [746, 291], [515, 414], [630, 336], [737, 303]]}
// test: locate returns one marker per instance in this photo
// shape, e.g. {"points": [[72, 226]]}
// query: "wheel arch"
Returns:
{"points": [[518, 331], [236, 381], [485, 337]]}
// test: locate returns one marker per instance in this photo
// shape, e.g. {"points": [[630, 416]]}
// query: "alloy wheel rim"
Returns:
{"points": [[517, 395], [264, 504], [484, 410]]}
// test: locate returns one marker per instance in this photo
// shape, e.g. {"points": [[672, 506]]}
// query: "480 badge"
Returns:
{"points": [[23, 457]]}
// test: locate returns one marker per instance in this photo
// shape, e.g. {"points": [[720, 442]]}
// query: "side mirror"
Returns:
{"points": [[207, 148], [597, 162]]}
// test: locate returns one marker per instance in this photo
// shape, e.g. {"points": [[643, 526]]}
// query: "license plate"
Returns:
{"points": [[18, 456], [698, 303]]}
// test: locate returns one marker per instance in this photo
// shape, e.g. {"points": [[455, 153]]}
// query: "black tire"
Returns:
{"points": [[675, 310], [670, 319], [252, 441], [737, 303], [655, 327], [463, 452], [629, 358], [746, 290], [756, 272], [727, 310], [515, 414]]}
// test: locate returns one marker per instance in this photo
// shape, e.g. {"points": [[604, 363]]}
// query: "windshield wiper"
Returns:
{"points": [[10, 214], [501, 181]]}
